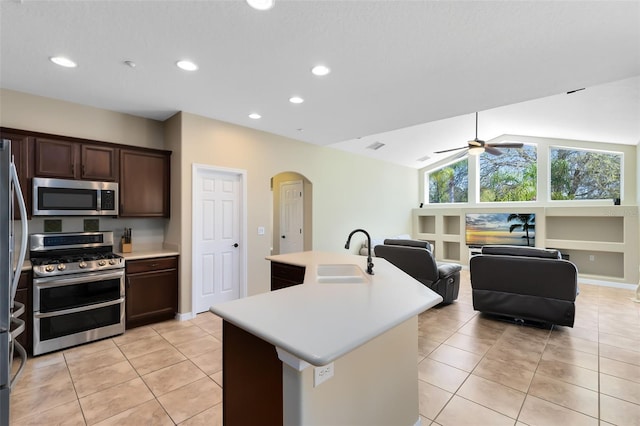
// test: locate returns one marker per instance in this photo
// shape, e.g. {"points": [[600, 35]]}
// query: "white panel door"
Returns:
{"points": [[291, 217], [217, 210]]}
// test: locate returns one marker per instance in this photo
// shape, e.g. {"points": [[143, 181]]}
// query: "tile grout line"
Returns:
{"points": [[66, 364]]}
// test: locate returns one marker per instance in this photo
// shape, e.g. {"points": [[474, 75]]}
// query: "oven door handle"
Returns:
{"points": [[85, 278], [79, 309]]}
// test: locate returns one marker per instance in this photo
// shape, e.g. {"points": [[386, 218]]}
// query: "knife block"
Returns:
{"points": [[126, 247]]}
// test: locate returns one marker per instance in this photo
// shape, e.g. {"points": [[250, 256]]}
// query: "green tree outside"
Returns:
{"points": [[511, 176], [584, 175], [450, 183]]}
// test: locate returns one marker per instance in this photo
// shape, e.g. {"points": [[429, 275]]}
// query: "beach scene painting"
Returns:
{"points": [[500, 228]]}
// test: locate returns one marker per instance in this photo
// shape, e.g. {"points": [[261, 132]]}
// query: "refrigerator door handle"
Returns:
{"points": [[18, 330], [18, 309], [23, 237], [23, 362]]}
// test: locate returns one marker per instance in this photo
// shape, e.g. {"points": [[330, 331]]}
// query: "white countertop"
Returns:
{"points": [[320, 322], [148, 253]]}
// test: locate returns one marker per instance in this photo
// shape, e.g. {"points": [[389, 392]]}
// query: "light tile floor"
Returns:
{"points": [[472, 370]]}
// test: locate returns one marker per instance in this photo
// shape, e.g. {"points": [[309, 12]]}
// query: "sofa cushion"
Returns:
{"points": [[522, 251], [408, 243], [446, 269]]}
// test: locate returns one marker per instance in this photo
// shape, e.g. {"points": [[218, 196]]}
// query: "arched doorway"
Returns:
{"points": [[292, 213]]}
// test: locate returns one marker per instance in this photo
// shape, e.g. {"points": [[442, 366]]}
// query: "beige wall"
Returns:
{"points": [[348, 191], [36, 113], [375, 384]]}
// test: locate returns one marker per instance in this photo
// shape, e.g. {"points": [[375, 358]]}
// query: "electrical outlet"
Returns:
{"points": [[322, 374], [591, 258]]}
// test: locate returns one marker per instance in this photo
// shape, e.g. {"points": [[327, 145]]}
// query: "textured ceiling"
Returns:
{"points": [[395, 64]]}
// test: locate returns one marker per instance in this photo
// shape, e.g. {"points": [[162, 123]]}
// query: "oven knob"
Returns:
{"points": [[82, 264], [102, 262], [62, 267], [112, 261], [49, 268]]}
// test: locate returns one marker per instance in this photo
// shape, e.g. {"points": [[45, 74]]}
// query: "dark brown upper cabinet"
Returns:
{"points": [[57, 158], [144, 183], [143, 174], [20, 152]]}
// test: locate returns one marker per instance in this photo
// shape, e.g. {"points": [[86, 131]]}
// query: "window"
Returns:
{"points": [[511, 176], [585, 175], [450, 183]]}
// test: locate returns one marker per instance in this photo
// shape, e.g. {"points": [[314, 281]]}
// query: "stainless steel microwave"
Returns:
{"points": [[61, 197]]}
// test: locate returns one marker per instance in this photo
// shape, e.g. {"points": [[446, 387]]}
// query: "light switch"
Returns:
{"points": [[260, 230]]}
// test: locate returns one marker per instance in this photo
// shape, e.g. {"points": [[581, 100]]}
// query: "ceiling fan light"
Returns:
{"points": [[261, 4], [476, 150]]}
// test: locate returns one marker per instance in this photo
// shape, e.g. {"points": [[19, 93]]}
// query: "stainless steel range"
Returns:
{"points": [[78, 289]]}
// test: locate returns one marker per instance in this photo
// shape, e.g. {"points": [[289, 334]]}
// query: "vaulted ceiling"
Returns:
{"points": [[409, 74]]}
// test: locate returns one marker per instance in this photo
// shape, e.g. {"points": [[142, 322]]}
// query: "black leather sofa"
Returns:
{"points": [[415, 257], [524, 283]]}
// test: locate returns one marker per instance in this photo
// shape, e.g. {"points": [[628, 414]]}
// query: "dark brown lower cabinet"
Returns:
{"points": [[251, 379], [151, 290]]}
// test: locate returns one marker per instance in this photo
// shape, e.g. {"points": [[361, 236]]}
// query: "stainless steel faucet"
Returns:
{"points": [[369, 260]]}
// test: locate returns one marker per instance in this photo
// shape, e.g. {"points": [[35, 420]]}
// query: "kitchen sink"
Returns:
{"points": [[340, 273]]}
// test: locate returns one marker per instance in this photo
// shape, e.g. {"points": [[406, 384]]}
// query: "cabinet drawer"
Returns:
{"points": [[154, 264]]}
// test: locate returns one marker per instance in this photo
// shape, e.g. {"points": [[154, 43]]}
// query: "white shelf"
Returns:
{"points": [[603, 241]]}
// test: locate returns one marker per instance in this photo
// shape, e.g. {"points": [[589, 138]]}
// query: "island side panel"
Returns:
{"points": [[251, 379], [375, 384], [284, 275]]}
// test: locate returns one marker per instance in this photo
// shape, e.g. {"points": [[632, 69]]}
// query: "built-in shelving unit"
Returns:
{"points": [[603, 241]]}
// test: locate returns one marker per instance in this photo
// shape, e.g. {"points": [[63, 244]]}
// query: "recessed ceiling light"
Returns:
{"points": [[187, 65], [296, 100], [261, 4], [255, 116], [63, 62], [320, 70]]}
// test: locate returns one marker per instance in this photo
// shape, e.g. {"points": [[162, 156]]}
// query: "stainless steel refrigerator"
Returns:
{"points": [[11, 260]]}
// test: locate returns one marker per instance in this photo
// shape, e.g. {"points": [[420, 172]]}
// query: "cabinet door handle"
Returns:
{"points": [[153, 265], [73, 169], [83, 170]]}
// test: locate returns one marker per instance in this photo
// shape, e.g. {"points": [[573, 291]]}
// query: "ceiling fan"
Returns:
{"points": [[477, 146]]}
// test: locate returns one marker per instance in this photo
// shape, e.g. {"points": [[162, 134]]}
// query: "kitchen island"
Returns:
{"points": [[341, 348]]}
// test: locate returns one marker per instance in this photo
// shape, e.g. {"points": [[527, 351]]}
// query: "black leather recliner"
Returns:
{"points": [[524, 283], [415, 258]]}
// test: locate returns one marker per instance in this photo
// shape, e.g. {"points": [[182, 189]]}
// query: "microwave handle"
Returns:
{"points": [[23, 236]]}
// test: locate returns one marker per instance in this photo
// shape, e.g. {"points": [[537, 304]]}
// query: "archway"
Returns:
{"points": [[282, 208]]}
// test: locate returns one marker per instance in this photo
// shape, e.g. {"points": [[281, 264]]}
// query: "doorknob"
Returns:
{"points": [[235, 245], [284, 236]]}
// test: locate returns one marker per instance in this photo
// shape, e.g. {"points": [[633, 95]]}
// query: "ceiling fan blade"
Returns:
{"points": [[459, 155], [506, 145], [476, 142], [449, 150], [492, 150]]}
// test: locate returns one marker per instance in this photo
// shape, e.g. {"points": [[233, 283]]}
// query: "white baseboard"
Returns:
{"points": [[185, 316], [606, 283]]}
